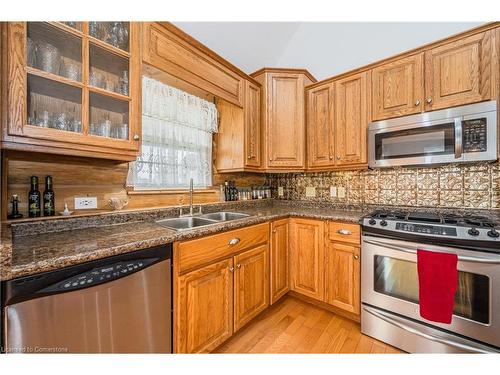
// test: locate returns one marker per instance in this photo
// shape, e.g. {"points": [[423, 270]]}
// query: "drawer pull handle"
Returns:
{"points": [[234, 241], [238, 266], [344, 232]]}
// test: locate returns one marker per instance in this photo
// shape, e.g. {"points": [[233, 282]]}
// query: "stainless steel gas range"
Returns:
{"points": [[389, 281]]}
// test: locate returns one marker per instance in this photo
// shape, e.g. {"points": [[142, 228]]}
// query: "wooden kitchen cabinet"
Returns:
{"points": [[343, 276], [351, 119], [398, 87], [72, 88], [320, 126], [307, 257], [337, 121], [239, 135], [204, 308], [283, 117], [461, 72], [220, 282], [251, 284], [280, 278], [169, 49]]}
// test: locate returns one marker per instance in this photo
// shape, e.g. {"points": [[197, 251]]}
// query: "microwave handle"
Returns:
{"points": [[458, 138]]}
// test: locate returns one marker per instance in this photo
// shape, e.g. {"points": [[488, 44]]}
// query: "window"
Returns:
{"points": [[177, 133]]}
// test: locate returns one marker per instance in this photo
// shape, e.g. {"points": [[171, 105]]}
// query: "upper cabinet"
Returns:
{"points": [[460, 72], [73, 88], [320, 126], [283, 117], [398, 87], [463, 71], [337, 118], [239, 136], [169, 49]]}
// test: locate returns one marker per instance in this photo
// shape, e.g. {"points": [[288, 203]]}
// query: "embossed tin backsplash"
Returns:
{"points": [[465, 186]]}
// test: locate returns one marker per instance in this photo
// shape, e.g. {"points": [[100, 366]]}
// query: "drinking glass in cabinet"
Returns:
{"points": [[113, 33], [108, 71], [108, 116], [52, 104], [53, 50], [73, 24]]}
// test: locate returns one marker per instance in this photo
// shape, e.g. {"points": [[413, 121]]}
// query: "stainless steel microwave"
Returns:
{"points": [[453, 135]]}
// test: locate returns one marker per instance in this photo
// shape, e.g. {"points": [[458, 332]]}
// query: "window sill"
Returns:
{"points": [[131, 191]]}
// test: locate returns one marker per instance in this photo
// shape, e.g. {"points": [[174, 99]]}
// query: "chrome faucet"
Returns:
{"points": [[191, 197]]}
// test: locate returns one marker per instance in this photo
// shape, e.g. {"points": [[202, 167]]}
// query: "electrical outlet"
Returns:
{"points": [[281, 191], [85, 203], [310, 191], [341, 192], [333, 191]]}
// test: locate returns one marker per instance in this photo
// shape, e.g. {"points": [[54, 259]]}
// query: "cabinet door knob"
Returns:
{"points": [[338, 157], [331, 157], [274, 230], [231, 269], [429, 100], [417, 103], [136, 137], [249, 157], [270, 159], [238, 266], [356, 257], [234, 241], [344, 232]]}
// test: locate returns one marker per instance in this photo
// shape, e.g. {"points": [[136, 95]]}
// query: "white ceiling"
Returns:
{"points": [[323, 48]]}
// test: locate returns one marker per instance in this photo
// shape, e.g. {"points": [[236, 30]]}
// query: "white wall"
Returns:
{"points": [[327, 49], [324, 48]]}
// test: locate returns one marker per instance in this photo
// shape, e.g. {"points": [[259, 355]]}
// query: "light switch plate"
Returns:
{"points": [[85, 203], [310, 191], [280, 191], [341, 192], [333, 191]]}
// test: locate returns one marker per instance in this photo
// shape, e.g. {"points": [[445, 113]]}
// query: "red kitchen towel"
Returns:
{"points": [[437, 283]]}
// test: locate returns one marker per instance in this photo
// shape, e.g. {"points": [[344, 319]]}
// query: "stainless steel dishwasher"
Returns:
{"points": [[120, 304]]}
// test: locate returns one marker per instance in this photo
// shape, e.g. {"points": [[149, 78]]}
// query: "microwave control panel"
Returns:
{"points": [[474, 135]]}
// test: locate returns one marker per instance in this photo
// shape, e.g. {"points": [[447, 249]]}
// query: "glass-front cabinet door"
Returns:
{"points": [[74, 86]]}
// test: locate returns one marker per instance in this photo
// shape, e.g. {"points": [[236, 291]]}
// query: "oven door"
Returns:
{"points": [[390, 281]]}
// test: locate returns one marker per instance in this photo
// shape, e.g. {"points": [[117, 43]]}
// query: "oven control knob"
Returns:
{"points": [[473, 232], [383, 223], [372, 222], [493, 233]]}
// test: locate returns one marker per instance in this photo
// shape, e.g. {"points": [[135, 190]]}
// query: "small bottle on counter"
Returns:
{"points": [[48, 198], [34, 199], [222, 193], [15, 208], [226, 191]]}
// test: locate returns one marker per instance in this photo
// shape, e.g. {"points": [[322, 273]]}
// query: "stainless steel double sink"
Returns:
{"points": [[189, 222]]}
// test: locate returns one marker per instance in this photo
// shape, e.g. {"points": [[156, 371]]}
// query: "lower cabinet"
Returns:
{"points": [[307, 257], [215, 300], [343, 276], [205, 303], [280, 275], [251, 284]]}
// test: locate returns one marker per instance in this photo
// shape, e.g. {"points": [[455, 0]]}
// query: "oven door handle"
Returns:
{"points": [[411, 250], [391, 320], [458, 138]]}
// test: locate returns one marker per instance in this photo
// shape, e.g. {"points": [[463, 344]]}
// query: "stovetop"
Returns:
{"points": [[446, 228]]}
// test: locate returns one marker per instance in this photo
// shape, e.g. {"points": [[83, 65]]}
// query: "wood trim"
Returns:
{"points": [[326, 306], [425, 47], [284, 70], [200, 46]]}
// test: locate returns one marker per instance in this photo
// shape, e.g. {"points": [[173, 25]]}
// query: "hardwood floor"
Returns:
{"points": [[294, 326]]}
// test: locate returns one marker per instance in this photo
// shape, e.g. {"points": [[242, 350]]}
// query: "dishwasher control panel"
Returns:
{"points": [[100, 275]]}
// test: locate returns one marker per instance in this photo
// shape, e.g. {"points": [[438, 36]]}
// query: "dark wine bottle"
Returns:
{"points": [[48, 198], [226, 191], [34, 199]]}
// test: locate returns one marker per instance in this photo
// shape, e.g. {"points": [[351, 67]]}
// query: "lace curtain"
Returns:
{"points": [[177, 133]]}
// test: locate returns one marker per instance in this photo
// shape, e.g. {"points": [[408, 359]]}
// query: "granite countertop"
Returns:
{"points": [[41, 252]]}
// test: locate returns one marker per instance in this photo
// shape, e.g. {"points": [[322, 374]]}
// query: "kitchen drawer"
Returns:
{"points": [[344, 232], [198, 252]]}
